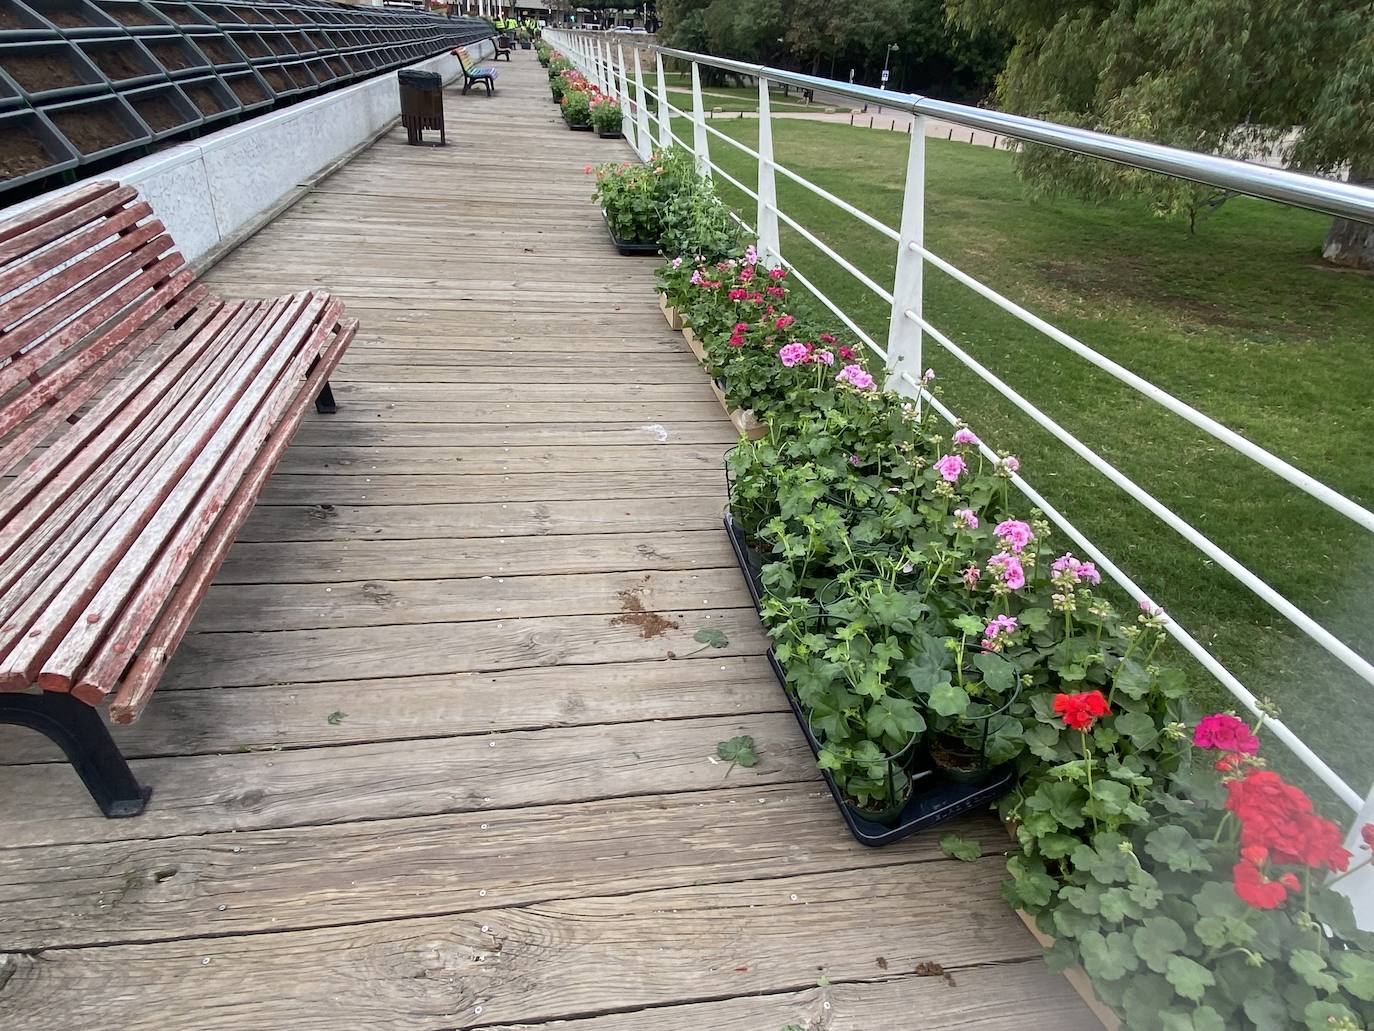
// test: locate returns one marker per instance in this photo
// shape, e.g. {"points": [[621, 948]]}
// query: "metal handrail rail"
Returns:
{"points": [[1330, 196]]}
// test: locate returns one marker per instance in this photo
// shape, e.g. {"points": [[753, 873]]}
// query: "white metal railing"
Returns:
{"points": [[602, 58]]}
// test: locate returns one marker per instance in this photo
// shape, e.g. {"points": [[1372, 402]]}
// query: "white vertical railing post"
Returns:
{"points": [[700, 144], [643, 137], [627, 120], [603, 47], [664, 125], [904, 334], [770, 248]]}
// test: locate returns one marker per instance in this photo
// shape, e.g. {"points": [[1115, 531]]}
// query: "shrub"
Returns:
{"points": [[628, 194], [606, 115], [577, 107]]}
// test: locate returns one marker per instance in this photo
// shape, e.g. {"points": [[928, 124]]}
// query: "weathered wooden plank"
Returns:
{"points": [[232, 659], [289, 489], [383, 461], [1007, 997], [572, 376], [327, 522], [461, 415], [697, 390], [352, 783], [198, 721], [90, 893], [539, 962], [308, 562], [361, 433]]}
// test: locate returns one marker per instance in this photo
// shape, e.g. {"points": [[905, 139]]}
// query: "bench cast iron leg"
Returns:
{"points": [[324, 400], [78, 730]]}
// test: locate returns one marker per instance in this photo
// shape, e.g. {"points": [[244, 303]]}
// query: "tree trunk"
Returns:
{"points": [[1350, 243]]}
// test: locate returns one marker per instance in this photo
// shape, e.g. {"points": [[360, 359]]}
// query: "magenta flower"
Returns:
{"points": [[775, 292], [784, 321], [791, 354], [738, 294], [964, 435], [1009, 464], [741, 327], [824, 357], [746, 275], [998, 631], [855, 376], [1225, 733], [1014, 534], [751, 255], [1087, 572], [696, 277], [847, 353], [1009, 568], [736, 340], [951, 467], [829, 338], [777, 273], [966, 518], [853, 459], [677, 262]]}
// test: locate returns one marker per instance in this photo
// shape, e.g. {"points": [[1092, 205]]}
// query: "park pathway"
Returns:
{"points": [[438, 752]]}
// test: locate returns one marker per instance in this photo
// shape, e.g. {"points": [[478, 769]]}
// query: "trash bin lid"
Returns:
{"points": [[419, 80]]}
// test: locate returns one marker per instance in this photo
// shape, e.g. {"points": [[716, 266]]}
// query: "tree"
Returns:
{"points": [[1289, 78]]}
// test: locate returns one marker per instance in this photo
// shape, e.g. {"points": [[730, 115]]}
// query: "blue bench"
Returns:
{"points": [[474, 75]]}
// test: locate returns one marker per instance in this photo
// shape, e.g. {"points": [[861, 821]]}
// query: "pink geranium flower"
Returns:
{"points": [[1009, 464], [1009, 568], [751, 255], [1225, 733], [791, 354], [822, 356], [828, 338], [847, 353], [951, 467], [998, 632], [783, 321], [855, 376], [971, 575], [1014, 534], [964, 435], [738, 294], [746, 275], [777, 273], [966, 518]]}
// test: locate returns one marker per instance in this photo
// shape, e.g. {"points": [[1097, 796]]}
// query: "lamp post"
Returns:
{"points": [[886, 55]]}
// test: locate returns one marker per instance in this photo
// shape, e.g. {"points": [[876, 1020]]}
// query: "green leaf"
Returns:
{"points": [[1158, 938], [1267, 1012], [958, 847], [738, 750], [1312, 969], [1138, 727], [335, 718], [968, 623], [1322, 1016], [1189, 978], [1358, 973], [711, 636], [1034, 620], [998, 673], [1173, 846], [1056, 846], [1107, 957], [949, 699]]}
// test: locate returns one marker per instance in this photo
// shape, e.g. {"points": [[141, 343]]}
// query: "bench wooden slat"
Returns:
{"points": [[23, 272], [124, 502], [72, 461], [187, 512], [51, 217], [143, 676], [29, 479]]}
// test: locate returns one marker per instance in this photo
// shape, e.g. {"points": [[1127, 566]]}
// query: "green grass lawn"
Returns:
{"points": [[727, 98], [1241, 321]]}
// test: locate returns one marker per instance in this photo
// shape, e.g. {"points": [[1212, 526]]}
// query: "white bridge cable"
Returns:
{"points": [[1331, 498], [1257, 586], [843, 205], [1224, 676]]}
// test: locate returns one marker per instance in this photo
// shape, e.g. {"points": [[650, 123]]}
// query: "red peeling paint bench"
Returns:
{"points": [[140, 416]]}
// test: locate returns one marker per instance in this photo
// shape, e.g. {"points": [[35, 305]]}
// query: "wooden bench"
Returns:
{"points": [[140, 417], [472, 75], [503, 47]]}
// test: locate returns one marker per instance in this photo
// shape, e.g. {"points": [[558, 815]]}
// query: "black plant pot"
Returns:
{"points": [[631, 248], [611, 135]]}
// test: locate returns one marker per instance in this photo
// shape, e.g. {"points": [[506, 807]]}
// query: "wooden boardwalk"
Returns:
{"points": [[437, 752]]}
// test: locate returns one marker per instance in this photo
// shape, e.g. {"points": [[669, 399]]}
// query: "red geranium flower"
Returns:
{"points": [[1276, 815], [1258, 890], [1080, 711], [1367, 832]]}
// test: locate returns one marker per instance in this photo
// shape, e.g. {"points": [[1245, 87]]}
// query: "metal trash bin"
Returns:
{"points": [[422, 105]]}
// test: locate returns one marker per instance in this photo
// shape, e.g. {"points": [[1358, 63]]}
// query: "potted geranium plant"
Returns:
{"points": [[627, 193], [576, 107], [606, 118]]}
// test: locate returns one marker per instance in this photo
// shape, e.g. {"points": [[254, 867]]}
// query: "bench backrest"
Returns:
{"points": [[87, 281]]}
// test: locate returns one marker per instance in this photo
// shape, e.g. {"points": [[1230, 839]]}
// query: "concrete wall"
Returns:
{"points": [[208, 190]]}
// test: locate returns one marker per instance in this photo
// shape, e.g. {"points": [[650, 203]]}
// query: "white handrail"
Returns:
{"points": [[1336, 198]]}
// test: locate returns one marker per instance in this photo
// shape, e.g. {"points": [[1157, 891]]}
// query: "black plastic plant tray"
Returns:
{"points": [[251, 45], [250, 88], [123, 60], [32, 54], [209, 92], [186, 17], [10, 94], [76, 19], [221, 15], [137, 134], [136, 17], [152, 102], [61, 155], [934, 801], [299, 71], [31, 24], [629, 248], [222, 52]]}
